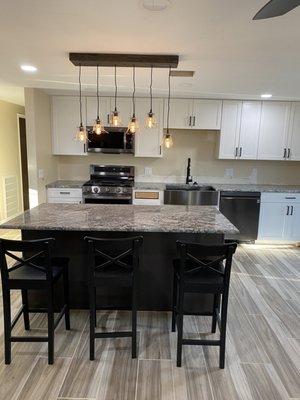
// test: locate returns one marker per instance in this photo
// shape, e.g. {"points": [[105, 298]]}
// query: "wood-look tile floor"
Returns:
{"points": [[262, 357]]}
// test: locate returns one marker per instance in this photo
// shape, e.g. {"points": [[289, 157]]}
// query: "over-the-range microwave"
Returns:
{"points": [[114, 140]]}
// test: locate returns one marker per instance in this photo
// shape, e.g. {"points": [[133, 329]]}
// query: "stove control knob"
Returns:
{"points": [[96, 189], [119, 190], [107, 190]]}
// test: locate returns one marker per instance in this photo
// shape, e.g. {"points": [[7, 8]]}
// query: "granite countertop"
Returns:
{"points": [[64, 184], [126, 218]]}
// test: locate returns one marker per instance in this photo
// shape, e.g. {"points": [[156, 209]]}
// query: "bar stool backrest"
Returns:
{"points": [[206, 257], [113, 254], [34, 253]]}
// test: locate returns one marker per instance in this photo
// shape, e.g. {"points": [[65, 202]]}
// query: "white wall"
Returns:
{"points": [[39, 145]]}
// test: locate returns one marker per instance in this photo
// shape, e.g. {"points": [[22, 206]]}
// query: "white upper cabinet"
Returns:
{"points": [[293, 152], [65, 122], [194, 114], [148, 141], [91, 110], [206, 114], [180, 113], [230, 127], [249, 130], [273, 130]]}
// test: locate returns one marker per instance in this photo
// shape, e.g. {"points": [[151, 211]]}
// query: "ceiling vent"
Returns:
{"points": [[183, 74]]}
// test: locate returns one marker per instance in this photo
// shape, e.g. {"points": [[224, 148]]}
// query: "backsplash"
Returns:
{"points": [[205, 167]]}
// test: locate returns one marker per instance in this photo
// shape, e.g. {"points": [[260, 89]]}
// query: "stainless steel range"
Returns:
{"points": [[109, 184]]}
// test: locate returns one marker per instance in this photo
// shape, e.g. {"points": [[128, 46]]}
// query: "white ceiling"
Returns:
{"points": [[232, 55]]}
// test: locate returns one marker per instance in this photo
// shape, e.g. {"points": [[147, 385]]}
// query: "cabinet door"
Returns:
{"points": [[294, 133], [207, 114], [180, 113], [273, 130], [230, 126], [292, 228], [249, 131], [65, 122], [148, 141], [91, 110], [272, 221]]}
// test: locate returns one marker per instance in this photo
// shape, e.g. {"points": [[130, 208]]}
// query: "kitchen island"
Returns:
{"points": [[160, 226]]}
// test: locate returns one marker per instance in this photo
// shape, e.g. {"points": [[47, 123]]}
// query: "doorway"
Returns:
{"points": [[23, 160]]}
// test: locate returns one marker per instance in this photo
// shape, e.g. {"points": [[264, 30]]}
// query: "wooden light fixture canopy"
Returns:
{"points": [[124, 60]]}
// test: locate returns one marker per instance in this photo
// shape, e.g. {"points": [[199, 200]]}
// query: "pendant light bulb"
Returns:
{"points": [[150, 120], [133, 125], [98, 127], [168, 141], [115, 118], [81, 134]]}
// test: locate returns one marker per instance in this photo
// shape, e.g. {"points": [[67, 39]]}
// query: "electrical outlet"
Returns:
{"points": [[148, 171]]}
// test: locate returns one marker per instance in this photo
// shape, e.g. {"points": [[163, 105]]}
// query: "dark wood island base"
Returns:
{"points": [[155, 271]]}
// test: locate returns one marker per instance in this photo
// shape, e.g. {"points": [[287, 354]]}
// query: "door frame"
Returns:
{"points": [[21, 200]]}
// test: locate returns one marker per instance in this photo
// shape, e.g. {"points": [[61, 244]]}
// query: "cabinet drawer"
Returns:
{"points": [[148, 197], [71, 200], [64, 192], [280, 197]]}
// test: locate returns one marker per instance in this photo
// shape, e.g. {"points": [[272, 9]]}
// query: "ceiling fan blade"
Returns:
{"points": [[275, 8]]}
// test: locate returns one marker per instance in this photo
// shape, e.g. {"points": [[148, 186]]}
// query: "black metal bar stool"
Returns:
{"points": [[33, 270], [201, 269], [113, 260]]}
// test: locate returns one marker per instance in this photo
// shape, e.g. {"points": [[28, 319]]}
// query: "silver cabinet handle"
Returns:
{"points": [[190, 121], [292, 210], [194, 120], [289, 153], [64, 193], [290, 198], [288, 210], [236, 151], [240, 151], [284, 153]]}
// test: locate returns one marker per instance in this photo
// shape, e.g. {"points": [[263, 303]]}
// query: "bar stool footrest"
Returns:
{"points": [[200, 342], [113, 334]]}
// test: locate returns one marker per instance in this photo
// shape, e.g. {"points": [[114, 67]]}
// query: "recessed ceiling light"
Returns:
{"points": [[266, 95], [155, 5], [28, 68]]}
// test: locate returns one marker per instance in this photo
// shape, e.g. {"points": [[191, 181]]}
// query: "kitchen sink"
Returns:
{"points": [[193, 195]]}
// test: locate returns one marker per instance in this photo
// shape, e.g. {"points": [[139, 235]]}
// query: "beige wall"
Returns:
{"points": [[201, 147], [42, 165], [9, 150]]}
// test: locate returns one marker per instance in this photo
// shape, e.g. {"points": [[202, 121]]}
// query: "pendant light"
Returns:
{"points": [[133, 125], [81, 134], [98, 127], [115, 116], [168, 140], [150, 119]]}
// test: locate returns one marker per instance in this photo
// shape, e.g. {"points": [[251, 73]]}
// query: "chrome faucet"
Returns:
{"points": [[189, 178]]}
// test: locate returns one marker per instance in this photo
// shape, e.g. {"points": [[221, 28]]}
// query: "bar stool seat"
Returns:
{"points": [[197, 279]]}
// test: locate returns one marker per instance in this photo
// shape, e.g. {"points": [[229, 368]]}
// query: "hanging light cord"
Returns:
{"points": [[116, 88], [169, 95], [151, 81], [80, 99], [133, 93], [98, 100]]}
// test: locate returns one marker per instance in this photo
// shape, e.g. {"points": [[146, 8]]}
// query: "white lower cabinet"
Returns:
{"points": [[279, 217]]}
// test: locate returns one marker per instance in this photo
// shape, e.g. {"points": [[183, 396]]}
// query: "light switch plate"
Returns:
{"points": [[41, 173]]}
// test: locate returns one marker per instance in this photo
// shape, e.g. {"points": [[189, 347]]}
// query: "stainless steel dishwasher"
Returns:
{"points": [[242, 209]]}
